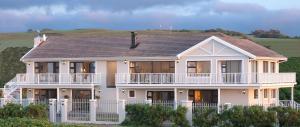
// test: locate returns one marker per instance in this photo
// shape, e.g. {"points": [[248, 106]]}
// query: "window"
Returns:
{"points": [[198, 67], [272, 67], [255, 93], [265, 93], [82, 67], [266, 66], [131, 94], [46, 67], [152, 67], [273, 93]]}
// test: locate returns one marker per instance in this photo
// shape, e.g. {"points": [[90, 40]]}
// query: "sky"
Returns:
{"points": [[239, 15]]}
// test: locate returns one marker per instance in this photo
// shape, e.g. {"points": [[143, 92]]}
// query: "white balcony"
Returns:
{"points": [[204, 79], [58, 79]]}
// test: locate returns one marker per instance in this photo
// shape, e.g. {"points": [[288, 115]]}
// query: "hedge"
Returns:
{"points": [[16, 110], [154, 116], [24, 122]]}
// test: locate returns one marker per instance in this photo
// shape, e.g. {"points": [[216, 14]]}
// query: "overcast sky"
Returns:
{"points": [[240, 15]]}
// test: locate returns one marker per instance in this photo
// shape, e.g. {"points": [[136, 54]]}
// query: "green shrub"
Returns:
{"points": [[24, 122], [178, 117], [287, 117], [36, 111], [146, 115], [12, 110], [205, 118]]}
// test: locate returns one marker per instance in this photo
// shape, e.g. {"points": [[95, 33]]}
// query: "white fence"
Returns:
{"points": [[204, 78], [113, 111]]}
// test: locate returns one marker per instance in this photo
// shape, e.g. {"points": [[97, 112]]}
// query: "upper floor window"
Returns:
{"points": [[46, 67], [152, 67], [198, 67], [265, 66], [82, 67], [272, 65]]}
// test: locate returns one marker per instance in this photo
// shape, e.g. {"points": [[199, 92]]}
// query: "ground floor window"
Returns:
{"points": [[273, 93], [255, 94], [131, 93], [206, 96], [45, 94], [81, 94], [160, 95], [265, 93]]}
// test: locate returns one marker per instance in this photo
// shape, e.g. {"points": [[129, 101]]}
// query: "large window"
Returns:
{"points": [[46, 67], [152, 67], [266, 67], [231, 66], [198, 67], [82, 67], [273, 93], [255, 94], [265, 93], [272, 67]]}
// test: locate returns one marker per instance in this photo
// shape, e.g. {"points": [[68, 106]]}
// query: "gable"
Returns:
{"points": [[215, 46]]}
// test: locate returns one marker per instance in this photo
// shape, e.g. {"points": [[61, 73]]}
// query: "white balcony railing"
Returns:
{"points": [[59, 78], [205, 78]]}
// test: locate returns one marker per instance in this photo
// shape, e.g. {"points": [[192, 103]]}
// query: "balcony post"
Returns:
{"points": [[93, 92], [219, 99], [292, 97], [21, 97], [175, 98]]}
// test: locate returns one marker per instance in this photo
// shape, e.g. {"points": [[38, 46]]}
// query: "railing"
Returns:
{"points": [[58, 78], [205, 78]]}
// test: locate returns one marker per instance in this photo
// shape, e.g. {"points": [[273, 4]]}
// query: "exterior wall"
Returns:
{"points": [[64, 67], [234, 96], [30, 70], [122, 67]]}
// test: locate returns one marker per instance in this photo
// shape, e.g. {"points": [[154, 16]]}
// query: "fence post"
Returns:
{"points": [[121, 110], [149, 102], [64, 110], [52, 111], [2, 102], [189, 114], [93, 110]]}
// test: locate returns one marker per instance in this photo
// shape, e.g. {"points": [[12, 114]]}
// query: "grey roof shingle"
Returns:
{"points": [[160, 44]]}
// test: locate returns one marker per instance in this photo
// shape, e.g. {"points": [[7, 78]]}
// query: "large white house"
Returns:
{"points": [[151, 65]]}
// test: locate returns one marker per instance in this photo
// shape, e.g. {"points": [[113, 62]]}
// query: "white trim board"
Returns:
{"points": [[220, 41]]}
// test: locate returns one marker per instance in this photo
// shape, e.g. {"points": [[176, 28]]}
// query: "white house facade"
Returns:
{"points": [[208, 68]]}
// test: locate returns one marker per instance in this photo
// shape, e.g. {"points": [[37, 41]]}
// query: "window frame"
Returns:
{"points": [[255, 93], [266, 92], [273, 93], [134, 94], [196, 65], [273, 67]]}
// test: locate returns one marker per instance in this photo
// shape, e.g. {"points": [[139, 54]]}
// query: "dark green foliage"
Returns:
{"points": [[206, 118], [237, 116], [292, 65], [269, 34], [154, 116], [24, 122], [12, 110], [10, 63], [287, 117], [178, 117], [36, 111]]}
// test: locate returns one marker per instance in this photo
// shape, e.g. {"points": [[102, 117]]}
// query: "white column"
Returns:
{"points": [[93, 93], [277, 96], [189, 114], [121, 110], [175, 98], [52, 111], [64, 110], [269, 96], [93, 110], [57, 93], [219, 99], [259, 96], [292, 97], [21, 95]]}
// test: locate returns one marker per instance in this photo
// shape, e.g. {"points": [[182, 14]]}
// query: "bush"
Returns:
{"points": [[24, 122], [287, 117], [146, 115], [206, 118], [178, 117], [36, 111], [12, 110]]}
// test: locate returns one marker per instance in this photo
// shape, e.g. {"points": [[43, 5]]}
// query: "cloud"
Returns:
{"points": [[144, 14]]}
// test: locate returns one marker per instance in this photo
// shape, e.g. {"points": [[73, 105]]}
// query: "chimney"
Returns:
{"points": [[38, 40], [134, 44]]}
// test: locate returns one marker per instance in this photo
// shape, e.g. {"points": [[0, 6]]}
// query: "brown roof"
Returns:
{"points": [[152, 44]]}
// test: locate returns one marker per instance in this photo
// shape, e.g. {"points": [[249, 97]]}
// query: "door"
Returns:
{"points": [[231, 71], [111, 71]]}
